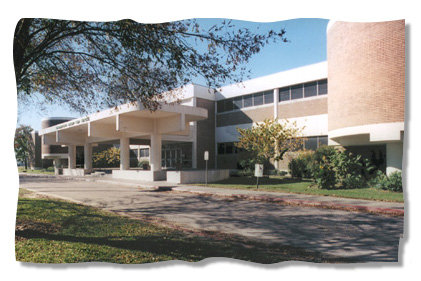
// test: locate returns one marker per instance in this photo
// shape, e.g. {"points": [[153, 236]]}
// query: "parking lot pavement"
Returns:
{"points": [[362, 236]]}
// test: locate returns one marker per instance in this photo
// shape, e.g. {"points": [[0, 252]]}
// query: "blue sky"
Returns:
{"points": [[307, 45]]}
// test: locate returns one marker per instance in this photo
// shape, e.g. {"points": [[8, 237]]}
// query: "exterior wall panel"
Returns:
{"points": [[206, 134]]}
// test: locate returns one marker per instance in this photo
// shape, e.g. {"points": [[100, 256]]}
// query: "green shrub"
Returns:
{"points": [[349, 169], [50, 169], [353, 181], [282, 173], [109, 158], [333, 168], [393, 182], [144, 164], [300, 166], [322, 168]]}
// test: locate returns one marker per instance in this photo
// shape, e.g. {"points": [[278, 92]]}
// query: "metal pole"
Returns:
{"points": [[257, 178], [206, 175]]}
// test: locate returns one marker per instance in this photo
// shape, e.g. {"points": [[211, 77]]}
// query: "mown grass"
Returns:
{"points": [[289, 185], [35, 171], [56, 231]]}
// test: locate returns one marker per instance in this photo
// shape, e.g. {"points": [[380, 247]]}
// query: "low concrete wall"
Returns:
{"points": [[142, 175], [197, 176], [74, 172]]}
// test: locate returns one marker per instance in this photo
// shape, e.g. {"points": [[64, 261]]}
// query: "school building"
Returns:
{"points": [[355, 99]]}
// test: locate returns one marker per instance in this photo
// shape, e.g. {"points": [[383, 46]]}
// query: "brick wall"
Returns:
{"points": [[366, 73]]}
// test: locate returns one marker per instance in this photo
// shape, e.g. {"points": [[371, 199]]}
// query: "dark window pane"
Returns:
{"points": [[322, 141], [310, 89], [311, 143], [248, 100], [221, 148], [229, 147], [268, 95], [322, 87], [238, 103], [284, 94], [297, 92], [258, 99], [220, 106], [228, 105]]}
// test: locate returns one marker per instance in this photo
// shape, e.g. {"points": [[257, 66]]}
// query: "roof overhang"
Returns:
{"points": [[128, 120]]}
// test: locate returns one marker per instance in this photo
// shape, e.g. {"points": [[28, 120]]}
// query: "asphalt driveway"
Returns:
{"points": [[365, 237]]}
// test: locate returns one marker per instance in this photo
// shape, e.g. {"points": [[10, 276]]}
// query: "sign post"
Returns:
{"points": [[206, 157], [258, 173]]}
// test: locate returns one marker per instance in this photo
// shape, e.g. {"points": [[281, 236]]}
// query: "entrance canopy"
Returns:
{"points": [[128, 121], [122, 123]]}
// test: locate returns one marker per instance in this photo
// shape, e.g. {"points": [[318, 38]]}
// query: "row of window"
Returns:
{"points": [[144, 152], [310, 143], [299, 91], [227, 148], [245, 101]]}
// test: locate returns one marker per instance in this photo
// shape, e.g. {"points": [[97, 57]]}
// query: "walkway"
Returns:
{"points": [[389, 208]]}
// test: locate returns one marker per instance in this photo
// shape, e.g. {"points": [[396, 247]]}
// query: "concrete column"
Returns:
{"points": [[394, 153], [275, 116], [57, 164], [87, 155], [194, 143], [71, 156], [275, 103], [155, 152], [124, 153]]}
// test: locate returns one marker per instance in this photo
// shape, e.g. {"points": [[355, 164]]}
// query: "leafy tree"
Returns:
{"points": [[270, 139], [24, 145], [89, 65], [109, 158]]}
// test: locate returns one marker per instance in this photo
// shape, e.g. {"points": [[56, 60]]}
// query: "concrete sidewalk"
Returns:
{"points": [[348, 204]]}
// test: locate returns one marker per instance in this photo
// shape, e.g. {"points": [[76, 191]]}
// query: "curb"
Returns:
{"points": [[307, 203]]}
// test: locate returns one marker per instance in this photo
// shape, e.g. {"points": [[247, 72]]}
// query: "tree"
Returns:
{"points": [[108, 158], [270, 139], [88, 65], [24, 145]]}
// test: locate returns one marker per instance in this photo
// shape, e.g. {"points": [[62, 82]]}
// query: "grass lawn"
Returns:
{"points": [[38, 171], [285, 184], [56, 231]]}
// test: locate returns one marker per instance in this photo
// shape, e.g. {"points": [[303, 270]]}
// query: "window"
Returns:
{"points": [[258, 99], [310, 89], [322, 141], [284, 94], [248, 100], [221, 148], [238, 103], [297, 92], [228, 106], [144, 152], [229, 148], [220, 106], [268, 97], [322, 84], [310, 143]]}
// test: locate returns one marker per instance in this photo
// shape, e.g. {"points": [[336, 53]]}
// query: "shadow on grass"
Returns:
{"points": [[72, 223]]}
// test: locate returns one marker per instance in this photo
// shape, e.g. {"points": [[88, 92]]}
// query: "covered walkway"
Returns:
{"points": [[124, 123]]}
